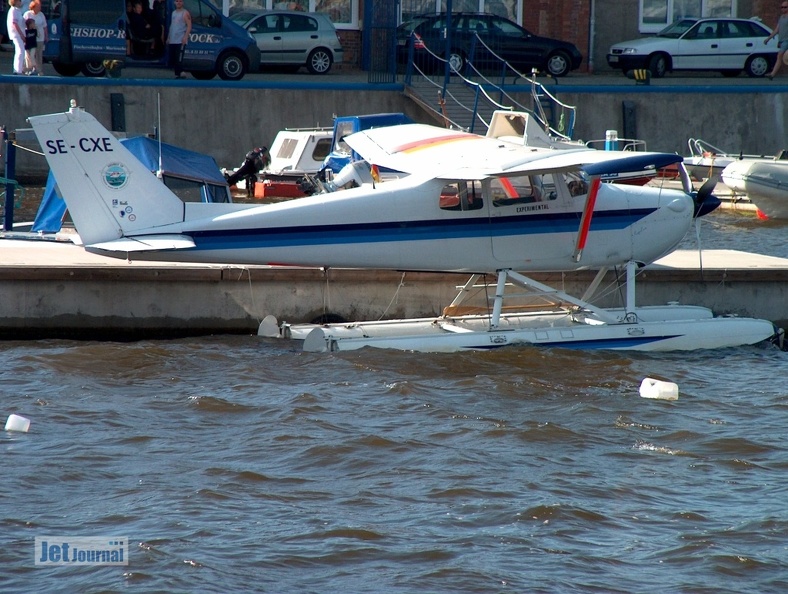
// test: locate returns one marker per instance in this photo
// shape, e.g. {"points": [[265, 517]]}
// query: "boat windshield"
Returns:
{"points": [[677, 29]]}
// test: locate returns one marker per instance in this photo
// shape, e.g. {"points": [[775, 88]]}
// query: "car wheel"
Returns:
{"points": [[231, 66], [757, 66], [457, 62], [558, 64], [319, 61], [658, 64], [66, 69], [93, 69]]}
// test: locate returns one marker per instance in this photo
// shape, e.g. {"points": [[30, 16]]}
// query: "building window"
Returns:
{"points": [[343, 13], [655, 15], [508, 9]]}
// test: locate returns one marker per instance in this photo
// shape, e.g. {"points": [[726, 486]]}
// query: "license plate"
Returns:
{"points": [[614, 58]]}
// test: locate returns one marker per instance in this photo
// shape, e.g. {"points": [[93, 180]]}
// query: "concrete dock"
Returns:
{"points": [[54, 288]]}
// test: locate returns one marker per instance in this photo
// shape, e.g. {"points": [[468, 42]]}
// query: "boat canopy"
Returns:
{"points": [[193, 177]]}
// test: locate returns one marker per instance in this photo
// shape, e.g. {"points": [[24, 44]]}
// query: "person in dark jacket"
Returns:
{"points": [[255, 161]]}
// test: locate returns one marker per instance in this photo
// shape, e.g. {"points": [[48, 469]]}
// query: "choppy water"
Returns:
{"points": [[239, 464], [234, 464]]}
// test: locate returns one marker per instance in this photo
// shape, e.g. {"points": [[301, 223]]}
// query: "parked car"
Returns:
{"points": [[727, 45], [293, 39], [87, 35], [520, 48]]}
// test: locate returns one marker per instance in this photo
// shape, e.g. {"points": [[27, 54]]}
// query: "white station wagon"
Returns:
{"points": [[726, 45]]}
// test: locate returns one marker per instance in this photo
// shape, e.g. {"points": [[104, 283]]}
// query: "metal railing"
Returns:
{"points": [[486, 91]]}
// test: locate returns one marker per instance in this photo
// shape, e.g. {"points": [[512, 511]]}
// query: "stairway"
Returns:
{"points": [[458, 107]]}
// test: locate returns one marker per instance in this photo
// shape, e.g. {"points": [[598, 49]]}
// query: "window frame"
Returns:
{"points": [[673, 8], [350, 7]]}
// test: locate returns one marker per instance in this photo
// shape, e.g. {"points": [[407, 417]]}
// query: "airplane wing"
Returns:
{"points": [[453, 154]]}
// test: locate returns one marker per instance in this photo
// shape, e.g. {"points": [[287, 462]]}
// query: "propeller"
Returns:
{"points": [[705, 201]]}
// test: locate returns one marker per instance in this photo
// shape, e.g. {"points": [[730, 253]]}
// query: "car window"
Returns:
{"points": [[201, 14], [508, 28], [677, 29], [433, 26], [242, 17], [478, 26], [268, 23], [297, 22], [744, 29], [410, 26], [95, 12], [704, 30], [735, 29]]}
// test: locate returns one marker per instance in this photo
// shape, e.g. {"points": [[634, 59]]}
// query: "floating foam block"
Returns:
{"points": [[17, 423], [659, 390]]}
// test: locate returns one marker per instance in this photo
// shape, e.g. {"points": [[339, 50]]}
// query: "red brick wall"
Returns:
{"points": [[567, 20], [767, 10], [351, 43]]}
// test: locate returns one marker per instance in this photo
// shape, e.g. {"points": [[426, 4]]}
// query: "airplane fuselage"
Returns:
{"points": [[401, 225]]}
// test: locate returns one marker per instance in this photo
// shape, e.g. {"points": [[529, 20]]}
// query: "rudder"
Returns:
{"points": [[109, 193]]}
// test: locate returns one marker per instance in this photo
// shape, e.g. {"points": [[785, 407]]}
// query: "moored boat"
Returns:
{"points": [[764, 182], [706, 161]]}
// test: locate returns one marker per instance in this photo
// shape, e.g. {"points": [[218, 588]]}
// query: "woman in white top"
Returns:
{"points": [[16, 33], [42, 36]]}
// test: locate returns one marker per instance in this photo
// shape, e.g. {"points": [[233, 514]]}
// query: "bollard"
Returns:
{"points": [[642, 76], [611, 140]]}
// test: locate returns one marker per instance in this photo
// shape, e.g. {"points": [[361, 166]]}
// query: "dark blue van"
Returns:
{"points": [[86, 34]]}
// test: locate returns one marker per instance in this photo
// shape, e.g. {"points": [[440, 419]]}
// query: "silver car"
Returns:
{"points": [[293, 39]]}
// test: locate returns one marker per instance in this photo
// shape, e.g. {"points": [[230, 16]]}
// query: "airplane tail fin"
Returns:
{"points": [[109, 193]]}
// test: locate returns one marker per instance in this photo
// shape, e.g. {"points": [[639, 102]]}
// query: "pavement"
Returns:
{"points": [[344, 74]]}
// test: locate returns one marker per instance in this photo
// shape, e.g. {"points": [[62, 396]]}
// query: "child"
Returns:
{"points": [[31, 32]]}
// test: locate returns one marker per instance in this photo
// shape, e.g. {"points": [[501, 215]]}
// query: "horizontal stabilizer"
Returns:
{"points": [[145, 243]]}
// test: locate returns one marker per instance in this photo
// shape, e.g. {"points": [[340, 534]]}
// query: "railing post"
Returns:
{"points": [[10, 173], [411, 52]]}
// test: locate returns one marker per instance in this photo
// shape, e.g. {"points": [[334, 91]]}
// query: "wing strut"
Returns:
{"points": [[585, 221]]}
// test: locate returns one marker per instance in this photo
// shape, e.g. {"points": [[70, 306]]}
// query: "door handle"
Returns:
{"points": [[714, 46], [749, 44]]}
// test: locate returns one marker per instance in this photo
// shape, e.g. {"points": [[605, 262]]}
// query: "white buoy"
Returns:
{"points": [[17, 423], [659, 390]]}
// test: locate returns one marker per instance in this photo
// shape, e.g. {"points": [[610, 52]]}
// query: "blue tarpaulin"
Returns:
{"points": [[194, 177]]}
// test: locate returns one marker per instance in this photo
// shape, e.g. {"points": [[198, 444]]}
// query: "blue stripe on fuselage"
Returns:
{"points": [[392, 231]]}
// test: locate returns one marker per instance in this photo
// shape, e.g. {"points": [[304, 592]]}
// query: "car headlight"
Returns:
{"points": [[629, 50]]}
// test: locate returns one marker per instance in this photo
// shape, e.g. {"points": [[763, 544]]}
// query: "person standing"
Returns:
{"points": [[781, 32], [16, 33], [42, 35], [178, 37], [30, 46]]}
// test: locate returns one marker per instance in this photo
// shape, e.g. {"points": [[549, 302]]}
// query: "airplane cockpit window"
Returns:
{"points": [[577, 184], [463, 195], [505, 191]]}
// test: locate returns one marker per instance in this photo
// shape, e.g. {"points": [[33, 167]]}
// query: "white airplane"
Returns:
{"points": [[468, 204]]}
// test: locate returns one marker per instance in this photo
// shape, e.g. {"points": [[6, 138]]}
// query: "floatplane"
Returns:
{"points": [[468, 204]]}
